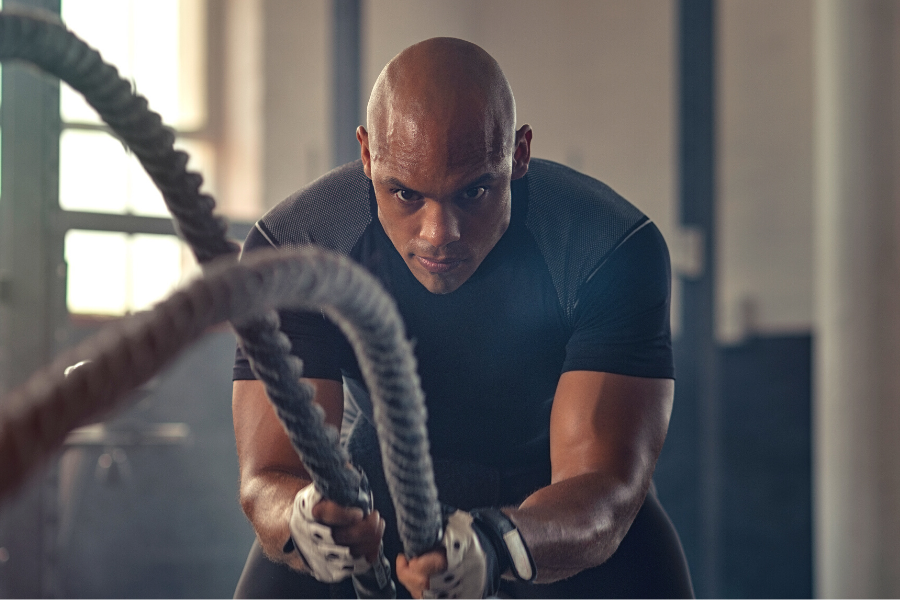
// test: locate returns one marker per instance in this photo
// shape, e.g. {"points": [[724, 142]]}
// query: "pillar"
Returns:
{"points": [[857, 335]]}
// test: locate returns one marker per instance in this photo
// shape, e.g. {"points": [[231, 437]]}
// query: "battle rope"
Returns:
{"points": [[400, 423], [38, 415]]}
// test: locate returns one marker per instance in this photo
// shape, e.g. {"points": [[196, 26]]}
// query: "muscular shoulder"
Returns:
{"points": [[332, 212], [577, 222]]}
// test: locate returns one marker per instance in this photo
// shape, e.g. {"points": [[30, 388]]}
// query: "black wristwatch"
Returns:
{"points": [[511, 549]]}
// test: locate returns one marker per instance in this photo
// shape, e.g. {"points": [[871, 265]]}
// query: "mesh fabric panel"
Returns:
{"points": [[332, 212], [576, 221]]}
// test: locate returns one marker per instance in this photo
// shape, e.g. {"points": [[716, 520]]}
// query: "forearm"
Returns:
{"points": [[577, 523], [267, 500], [271, 471]]}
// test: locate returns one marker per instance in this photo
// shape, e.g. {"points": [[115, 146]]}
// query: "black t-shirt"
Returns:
{"points": [[579, 281]]}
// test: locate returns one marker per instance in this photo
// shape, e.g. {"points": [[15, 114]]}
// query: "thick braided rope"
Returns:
{"points": [[42, 40], [368, 317], [267, 348], [36, 417], [45, 42]]}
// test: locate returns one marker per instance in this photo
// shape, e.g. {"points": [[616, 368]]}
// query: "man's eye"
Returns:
{"points": [[406, 195], [474, 193]]}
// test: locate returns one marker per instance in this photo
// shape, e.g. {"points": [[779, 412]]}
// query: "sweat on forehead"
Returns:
{"points": [[443, 93]]}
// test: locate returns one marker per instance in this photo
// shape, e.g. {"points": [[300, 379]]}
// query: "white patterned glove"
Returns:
{"points": [[467, 565], [327, 561], [480, 547]]}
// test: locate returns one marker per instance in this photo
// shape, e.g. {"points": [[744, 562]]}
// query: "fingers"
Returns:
{"points": [[351, 529], [363, 538], [335, 515], [416, 573]]}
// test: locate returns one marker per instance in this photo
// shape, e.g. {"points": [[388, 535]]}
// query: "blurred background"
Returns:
{"points": [[762, 136]]}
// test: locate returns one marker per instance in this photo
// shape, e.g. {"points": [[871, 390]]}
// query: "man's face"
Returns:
{"points": [[444, 201]]}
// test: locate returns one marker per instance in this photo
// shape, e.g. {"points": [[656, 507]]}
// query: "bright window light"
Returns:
{"points": [[97, 174], [156, 268], [160, 45], [112, 273], [93, 172], [97, 272], [157, 44]]}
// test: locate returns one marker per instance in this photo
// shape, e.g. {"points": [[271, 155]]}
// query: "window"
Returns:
{"points": [[111, 272], [160, 46]]}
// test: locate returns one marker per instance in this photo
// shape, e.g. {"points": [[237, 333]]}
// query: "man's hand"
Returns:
{"points": [[415, 574], [362, 534], [468, 564], [334, 541]]}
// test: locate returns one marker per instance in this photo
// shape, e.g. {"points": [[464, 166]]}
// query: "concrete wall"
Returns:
{"points": [[296, 142], [594, 79], [765, 178], [270, 99]]}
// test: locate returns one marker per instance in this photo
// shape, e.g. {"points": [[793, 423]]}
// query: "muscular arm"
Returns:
{"points": [[606, 433], [271, 472]]}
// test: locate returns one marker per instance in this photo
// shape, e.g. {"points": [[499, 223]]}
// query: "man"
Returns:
{"points": [[538, 301]]}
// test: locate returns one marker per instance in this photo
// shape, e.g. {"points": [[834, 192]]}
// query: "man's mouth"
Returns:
{"points": [[433, 265]]}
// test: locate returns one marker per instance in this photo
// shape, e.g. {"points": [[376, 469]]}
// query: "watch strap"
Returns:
{"points": [[509, 542]]}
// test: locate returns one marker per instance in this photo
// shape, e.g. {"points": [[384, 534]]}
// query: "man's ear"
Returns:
{"points": [[363, 137], [522, 153]]}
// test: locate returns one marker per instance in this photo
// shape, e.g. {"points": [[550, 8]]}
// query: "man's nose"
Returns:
{"points": [[440, 224]]}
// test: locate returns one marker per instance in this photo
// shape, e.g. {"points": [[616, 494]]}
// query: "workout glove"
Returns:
{"points": [[481, 546], [327, 561]]}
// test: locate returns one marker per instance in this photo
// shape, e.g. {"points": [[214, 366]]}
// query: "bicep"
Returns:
{"points": [[262, 443], [608, 423]]}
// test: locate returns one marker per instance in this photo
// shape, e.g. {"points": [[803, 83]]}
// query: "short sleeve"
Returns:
{"points": [[314, 339], [621, 320]]}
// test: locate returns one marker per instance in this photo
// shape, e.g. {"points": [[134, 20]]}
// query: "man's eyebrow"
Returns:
{"points": [[394, 183], [486, 178]]}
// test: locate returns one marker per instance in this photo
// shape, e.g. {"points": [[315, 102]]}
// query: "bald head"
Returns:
{"points": [[441, 149], [447, 96]]}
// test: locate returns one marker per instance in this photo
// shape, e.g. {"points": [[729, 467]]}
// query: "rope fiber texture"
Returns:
{"points": [[37, 415]]}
